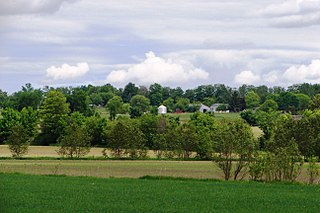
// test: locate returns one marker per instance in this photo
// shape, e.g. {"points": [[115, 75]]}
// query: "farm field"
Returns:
{"points": [[121, 168], [113, 168], [32, 193]]}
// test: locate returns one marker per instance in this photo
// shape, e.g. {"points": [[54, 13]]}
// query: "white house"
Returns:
{"points": [[162, 110]]}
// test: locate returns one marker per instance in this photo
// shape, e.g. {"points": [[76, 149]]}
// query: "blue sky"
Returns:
{"points": [[176, 43]]}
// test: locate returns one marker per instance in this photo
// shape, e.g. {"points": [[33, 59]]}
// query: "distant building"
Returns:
{"points": [[162, 110], [204, 108], [213, 107]]}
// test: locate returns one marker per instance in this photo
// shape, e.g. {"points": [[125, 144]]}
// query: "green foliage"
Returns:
{"points": [[182, 104], [126, 138], [249, 116], [284, 163], [150, 126], [10, 118], [304, 101], [29, 120], [233, 140], [97, 128], [3, 98], [114, 106], [18, 141], [235, 101], [79, 102], [252, 100], [204, 125], [27, 97], [222, 107], [187, 141], [139, 104], [129, 91], [75, 142], [269, 106], [315, 103], [169, 103], [288, 102], [155, 94], [53, 111], [208, 101]]}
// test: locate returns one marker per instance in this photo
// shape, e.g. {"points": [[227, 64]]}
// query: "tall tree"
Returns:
{"points": [[114, 106], [155, 94], [139, 104], [79, 101], [53, 111], [129, 91], [252, 100], [27, 97]]}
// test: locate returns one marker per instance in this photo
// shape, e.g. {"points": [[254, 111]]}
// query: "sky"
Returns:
{"points": [[183, 43]]}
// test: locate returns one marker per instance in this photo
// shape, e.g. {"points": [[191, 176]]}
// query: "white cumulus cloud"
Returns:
{"points": [[155, 69], [303, 73], [67, 72], [246, 77]]}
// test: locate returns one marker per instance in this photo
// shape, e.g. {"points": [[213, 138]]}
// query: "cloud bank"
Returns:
{"points": [[14, 7], [158, 70], [67, 72], [294, 13]]}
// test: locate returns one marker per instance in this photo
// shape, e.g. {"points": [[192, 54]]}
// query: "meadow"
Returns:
{"points": [[35, 193]]}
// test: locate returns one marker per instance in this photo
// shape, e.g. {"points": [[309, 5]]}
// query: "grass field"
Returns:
{"points": [[31, 193]]}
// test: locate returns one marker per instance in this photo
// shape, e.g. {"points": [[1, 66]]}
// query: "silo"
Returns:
{"points": [[162, 109]]}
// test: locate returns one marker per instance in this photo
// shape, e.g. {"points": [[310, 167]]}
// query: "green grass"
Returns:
{"points": [[31, 193]]}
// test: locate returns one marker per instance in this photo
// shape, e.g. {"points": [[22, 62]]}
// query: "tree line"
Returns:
{"points": [[65, 116], [293, 99]]}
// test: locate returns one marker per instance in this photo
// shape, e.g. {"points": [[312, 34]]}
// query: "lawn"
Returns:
{"points": [[32, 193]]}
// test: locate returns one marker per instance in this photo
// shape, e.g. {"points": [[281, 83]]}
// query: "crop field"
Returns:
{"points": [[35, 193], [113, 168], [121, 168]]}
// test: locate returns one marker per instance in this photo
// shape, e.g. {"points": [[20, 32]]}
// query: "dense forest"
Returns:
{"points": [[69, 117]]}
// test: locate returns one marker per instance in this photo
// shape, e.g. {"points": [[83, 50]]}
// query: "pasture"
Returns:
{"points": [[32, 193]]}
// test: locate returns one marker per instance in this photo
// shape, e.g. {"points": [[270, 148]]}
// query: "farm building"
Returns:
{"points": [[204, 108], [162, 109], [213, 107]]}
